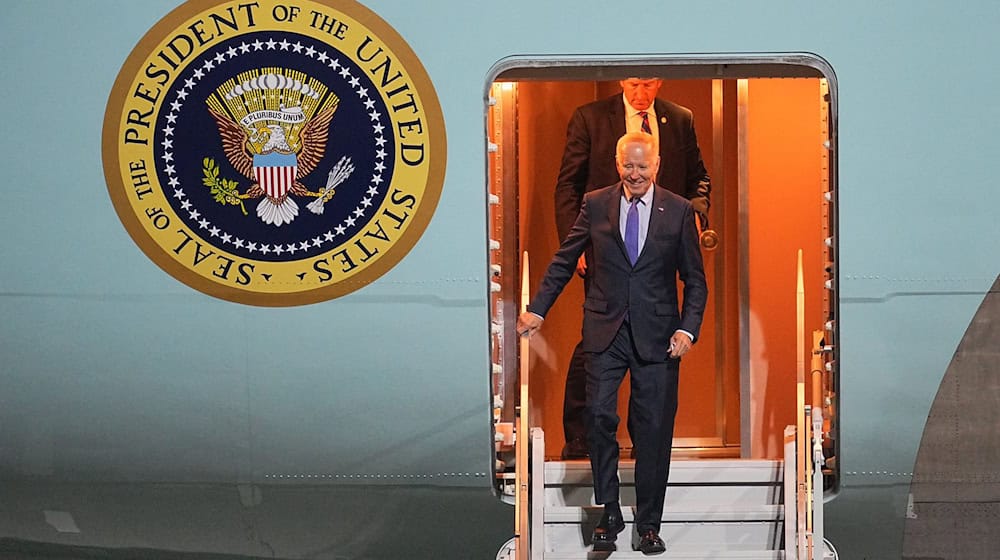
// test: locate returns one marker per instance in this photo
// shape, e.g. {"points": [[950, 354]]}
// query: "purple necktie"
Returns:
{"points": [[632, 231], [645, 122]]}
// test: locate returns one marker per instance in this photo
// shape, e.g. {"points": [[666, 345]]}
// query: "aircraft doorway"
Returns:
{"points": [[765, 136]]}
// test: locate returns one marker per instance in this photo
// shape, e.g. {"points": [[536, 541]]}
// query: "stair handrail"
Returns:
{"points": [[790, 494], [816, 527], [522, 525], [804, 477], [537, 473], [803, 493], [804, 525]]}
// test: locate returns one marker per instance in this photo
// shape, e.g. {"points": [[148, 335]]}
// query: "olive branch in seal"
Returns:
{"points": [[223, 190]]}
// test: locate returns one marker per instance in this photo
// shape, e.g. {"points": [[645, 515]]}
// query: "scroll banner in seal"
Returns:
{"points": [[274, 154]]}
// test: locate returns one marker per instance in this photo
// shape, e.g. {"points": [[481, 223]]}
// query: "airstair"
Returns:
{"points": [[739, 509], [715, 509]]}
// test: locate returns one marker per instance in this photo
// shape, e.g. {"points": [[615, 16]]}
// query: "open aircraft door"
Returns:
{"points": [[767, 131]]}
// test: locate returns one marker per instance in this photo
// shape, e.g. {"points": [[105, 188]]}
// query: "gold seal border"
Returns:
{"points": [[117, 190]]}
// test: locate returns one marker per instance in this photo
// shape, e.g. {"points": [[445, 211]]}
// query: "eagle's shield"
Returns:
{"points": [[275, 173]]}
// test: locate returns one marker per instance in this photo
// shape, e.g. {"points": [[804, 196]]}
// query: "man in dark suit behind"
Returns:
{"points": [[588, 164], [641, 237]]}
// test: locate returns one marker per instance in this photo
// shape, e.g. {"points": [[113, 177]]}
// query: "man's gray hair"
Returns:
{"points": [[636, 137]]}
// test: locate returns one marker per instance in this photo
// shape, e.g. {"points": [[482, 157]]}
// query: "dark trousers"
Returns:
{"points": [[652, 408], [575, 394], [575, 397]]}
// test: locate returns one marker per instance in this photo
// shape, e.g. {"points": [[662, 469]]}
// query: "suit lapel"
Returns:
{"points": [[656, 212], [657, 217], [614, 215], [616, 118], [664, 125]]}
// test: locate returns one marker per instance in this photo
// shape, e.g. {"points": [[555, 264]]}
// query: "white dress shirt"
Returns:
{"points": [[645, 203], [633, 120]]}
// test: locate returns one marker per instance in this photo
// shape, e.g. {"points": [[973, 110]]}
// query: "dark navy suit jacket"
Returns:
{"points": [[648, 291]]}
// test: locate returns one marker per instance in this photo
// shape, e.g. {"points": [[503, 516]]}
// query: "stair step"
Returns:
{"points": [[626, 553], [718, 482], [716, 537], [717, 508], [710, 471], [760, 528], [672, 513], [698, 495]]}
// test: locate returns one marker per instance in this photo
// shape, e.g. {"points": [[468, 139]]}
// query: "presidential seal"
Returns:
{"points": [[271, 153]]}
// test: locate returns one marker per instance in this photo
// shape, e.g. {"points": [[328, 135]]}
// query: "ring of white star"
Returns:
{"points": [[255, 246]]}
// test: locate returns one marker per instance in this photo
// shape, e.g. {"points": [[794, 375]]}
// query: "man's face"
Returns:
{"points": [[637, 165], [640, 93]]}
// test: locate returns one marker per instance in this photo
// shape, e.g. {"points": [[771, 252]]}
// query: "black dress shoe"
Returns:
{"points": [[606, 532], [575, 449], [651, 543]]}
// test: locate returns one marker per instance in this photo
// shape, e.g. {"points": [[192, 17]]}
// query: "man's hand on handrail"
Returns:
{"points": [[528, 323]]}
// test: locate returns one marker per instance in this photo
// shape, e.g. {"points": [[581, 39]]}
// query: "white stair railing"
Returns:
{"points": [[790, 495], [816, 540], [804, 488], [537, 468], [522, 477], [804, 477]]}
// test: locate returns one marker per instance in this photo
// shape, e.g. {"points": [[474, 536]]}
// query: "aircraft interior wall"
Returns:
{"points": [[762, 141]]}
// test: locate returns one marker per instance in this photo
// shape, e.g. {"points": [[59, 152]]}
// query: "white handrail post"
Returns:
{"points": [[521, 501], [537, 539], [819, 548], [791, 483], [802, 450]]}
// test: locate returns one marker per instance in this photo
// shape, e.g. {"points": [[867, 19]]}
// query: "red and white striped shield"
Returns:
{"points": [[275, 173]]}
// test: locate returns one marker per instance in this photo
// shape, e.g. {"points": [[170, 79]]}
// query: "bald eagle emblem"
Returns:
{"points": [[274, 124]]}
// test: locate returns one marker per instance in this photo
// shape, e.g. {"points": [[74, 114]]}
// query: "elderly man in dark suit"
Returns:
{"points": [[642, 237], [588, 164]]}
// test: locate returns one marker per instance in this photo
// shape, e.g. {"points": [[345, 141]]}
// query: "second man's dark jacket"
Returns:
{"points": [[589, 158]]}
